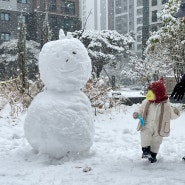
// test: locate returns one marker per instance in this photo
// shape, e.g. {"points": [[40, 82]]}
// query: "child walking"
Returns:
{"points": [[156, 113]]}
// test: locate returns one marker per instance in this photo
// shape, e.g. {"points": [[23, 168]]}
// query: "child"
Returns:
{"points": [[156, 113]]}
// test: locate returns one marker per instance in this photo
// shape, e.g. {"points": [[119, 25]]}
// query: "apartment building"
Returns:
{"points": [[151, 22], [94, 14], [61, 14], [139, 17], [128, 18]]}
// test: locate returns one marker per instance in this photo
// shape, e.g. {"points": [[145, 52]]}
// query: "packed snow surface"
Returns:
{"points": [[115, 157]]}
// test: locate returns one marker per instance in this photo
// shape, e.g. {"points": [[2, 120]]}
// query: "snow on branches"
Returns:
{"points": [[166, 47]]}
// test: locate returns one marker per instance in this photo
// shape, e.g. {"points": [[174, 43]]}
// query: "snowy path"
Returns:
{"points": [[115, 157]]}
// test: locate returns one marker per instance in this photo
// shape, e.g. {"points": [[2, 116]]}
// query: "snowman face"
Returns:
{"points": [[64, 64], [70, 59]]}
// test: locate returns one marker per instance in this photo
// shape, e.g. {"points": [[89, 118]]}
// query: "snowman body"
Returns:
{"points": [[59, 120]]}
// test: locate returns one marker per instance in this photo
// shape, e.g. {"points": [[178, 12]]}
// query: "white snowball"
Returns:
{"points": [[64, 65], [58, 123]]}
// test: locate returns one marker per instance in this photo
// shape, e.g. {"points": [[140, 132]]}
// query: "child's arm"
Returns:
{"points": [[139, 110]]}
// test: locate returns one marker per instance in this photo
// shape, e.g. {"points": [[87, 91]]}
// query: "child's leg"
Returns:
{"points": [[146, 137], [155, 143]]}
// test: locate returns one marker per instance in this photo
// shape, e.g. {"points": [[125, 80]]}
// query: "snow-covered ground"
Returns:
{"points": [[115, 157]]}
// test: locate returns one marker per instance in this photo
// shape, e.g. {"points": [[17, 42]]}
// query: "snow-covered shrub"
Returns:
{"points": [[104, 45], [97, 90], [10, 93]]}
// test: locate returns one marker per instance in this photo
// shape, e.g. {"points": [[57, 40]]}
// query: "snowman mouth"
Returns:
{"points": [[67, 67]]}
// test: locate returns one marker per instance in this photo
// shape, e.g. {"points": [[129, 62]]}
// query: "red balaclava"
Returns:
{"points": [[159, 90]]}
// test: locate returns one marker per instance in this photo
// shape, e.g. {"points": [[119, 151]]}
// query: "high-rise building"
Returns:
{"points": [[151, 22], [138, 17], [87, 14], [128, 18], [61, 14], [94, 14]]}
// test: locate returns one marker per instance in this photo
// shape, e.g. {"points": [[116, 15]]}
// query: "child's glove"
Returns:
{"points": [[135, 115]]}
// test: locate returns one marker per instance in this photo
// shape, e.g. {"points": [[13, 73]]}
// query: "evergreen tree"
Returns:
{"points": [[166, 47], [8, 59], [21, 59], [46, 31], [103, 46]]}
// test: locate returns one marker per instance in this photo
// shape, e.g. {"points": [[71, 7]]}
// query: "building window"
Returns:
{"points": [[22, 1], [53, 21], [6, 0], [139, 2], [23, 18], [118, 7], [139, 38], [164, 1], [139, 20], [139, 28], [139, 11], [66, 24], [139, 46], [153, 28], [52, 5], [5, 16], [5, 36], [68, 7], [154, 2], [154, 16]]}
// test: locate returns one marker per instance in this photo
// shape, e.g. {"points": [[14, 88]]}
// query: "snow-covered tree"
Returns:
{"points": [[103, 46], [46, 33], [9, 55], [166, 48], [21, 59]]}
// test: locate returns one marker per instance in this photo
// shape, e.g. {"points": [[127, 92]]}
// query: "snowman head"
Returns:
{"points": [[64, 64]]}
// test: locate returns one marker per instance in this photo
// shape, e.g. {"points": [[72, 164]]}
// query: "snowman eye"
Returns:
{"points": [[74, 52]]}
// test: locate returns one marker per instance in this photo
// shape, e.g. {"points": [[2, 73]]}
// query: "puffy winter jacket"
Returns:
{"points": [[163, 114]]}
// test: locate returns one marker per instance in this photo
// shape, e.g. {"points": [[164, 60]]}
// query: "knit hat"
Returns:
{"points": [[159, 89]]}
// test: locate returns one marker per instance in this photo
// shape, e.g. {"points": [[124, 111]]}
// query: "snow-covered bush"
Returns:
{"points": [[97, 90], [10, 93], [103, 46]]}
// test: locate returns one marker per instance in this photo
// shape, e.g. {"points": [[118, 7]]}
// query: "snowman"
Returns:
{"points": [[59, 120]]}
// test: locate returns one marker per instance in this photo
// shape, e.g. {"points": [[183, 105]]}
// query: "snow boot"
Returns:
{"points": [[146, 152], [153, 158]]}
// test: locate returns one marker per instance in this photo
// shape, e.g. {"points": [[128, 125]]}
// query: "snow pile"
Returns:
{"points": [[59, 120]]}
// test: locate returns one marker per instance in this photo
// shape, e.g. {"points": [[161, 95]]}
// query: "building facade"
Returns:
{"points": [[137, 17], [128, 18], [151, 22], [61, 14]]}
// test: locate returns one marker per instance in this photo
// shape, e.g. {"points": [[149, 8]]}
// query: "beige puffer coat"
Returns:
{"points": [[163, 114]]}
